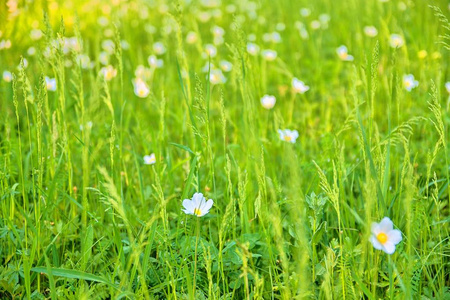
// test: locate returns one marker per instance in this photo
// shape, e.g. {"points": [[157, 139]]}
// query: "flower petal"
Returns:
{"points": [[389, 247], [386, 225], [376, 244], [197, 199], [206, 207], [394, 236], [189, 206], [375, 228]]}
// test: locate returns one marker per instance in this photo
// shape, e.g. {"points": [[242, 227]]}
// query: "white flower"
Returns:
{"points": [[409, 82], [384, 237], [252, 49], [210, 50], [226, 66], [305, 12], [217, 31], [108, 72], [84, 61], [7, 76], [154, 62], [51, 83], [288, 135], [31, 51], [396, 41], [159, 48], [342, 52], [108, 46], [268, 101], [447, 85], [269, 55], [35, 34], [370, 31], [216, 77], [150, 159], [140, 88], [315, 24], [191, 37], [198, 206], [5, 44], [299, 86]]}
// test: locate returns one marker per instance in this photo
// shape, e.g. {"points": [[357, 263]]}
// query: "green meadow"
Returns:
{"points": [[318, 129]]}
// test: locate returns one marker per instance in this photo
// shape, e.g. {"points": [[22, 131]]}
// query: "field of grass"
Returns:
{"points": [[115, 112]]}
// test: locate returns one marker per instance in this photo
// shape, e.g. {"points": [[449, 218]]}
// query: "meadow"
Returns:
{"points": [[208, 149]]}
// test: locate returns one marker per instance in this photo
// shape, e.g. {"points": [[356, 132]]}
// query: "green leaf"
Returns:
{"points": [[72, 274]]}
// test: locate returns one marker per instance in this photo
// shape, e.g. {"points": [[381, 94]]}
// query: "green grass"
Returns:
{"points": [[82, 216]]}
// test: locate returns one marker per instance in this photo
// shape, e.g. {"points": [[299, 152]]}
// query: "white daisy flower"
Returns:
{"points": [[269, 55], [288, 135], [370, 31], [226, 66], [150, 159], [384, 236], [154, 62], [191, 37], [7, 76], [299, 86], [305, 12], [210, 50], [51, 83], [159, 48], [409, 82], [103, 58], [216, 77], [252, 49], [108, 72], [396, 41], [268, 101], [198, 206], [342, 52], [141, 89]]}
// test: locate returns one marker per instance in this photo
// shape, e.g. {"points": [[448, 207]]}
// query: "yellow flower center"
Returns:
{"points": [[197, 211], [141, 92], [408, 83], [382, 237], [287, 138]]}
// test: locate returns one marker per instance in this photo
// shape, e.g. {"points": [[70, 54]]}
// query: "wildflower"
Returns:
{"points": [[108, 72], [396, 41], [384, 237], [288, 135], [342, 52], [370, 31], [447, 85], [140, 88], [5, 44], [305, 12], [154, 62], [252, 49], [108, 46], [51, 83], [299, 86], [191, 37], [269, 55], [7, 76], [315, 24], [268, 101], [210, 50], [198, 206], [216, 77], [84, 61], [31, 51], [159, 48], [150, 159], [217, 31], [226, 66], [409, 82], [35, 34]]}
